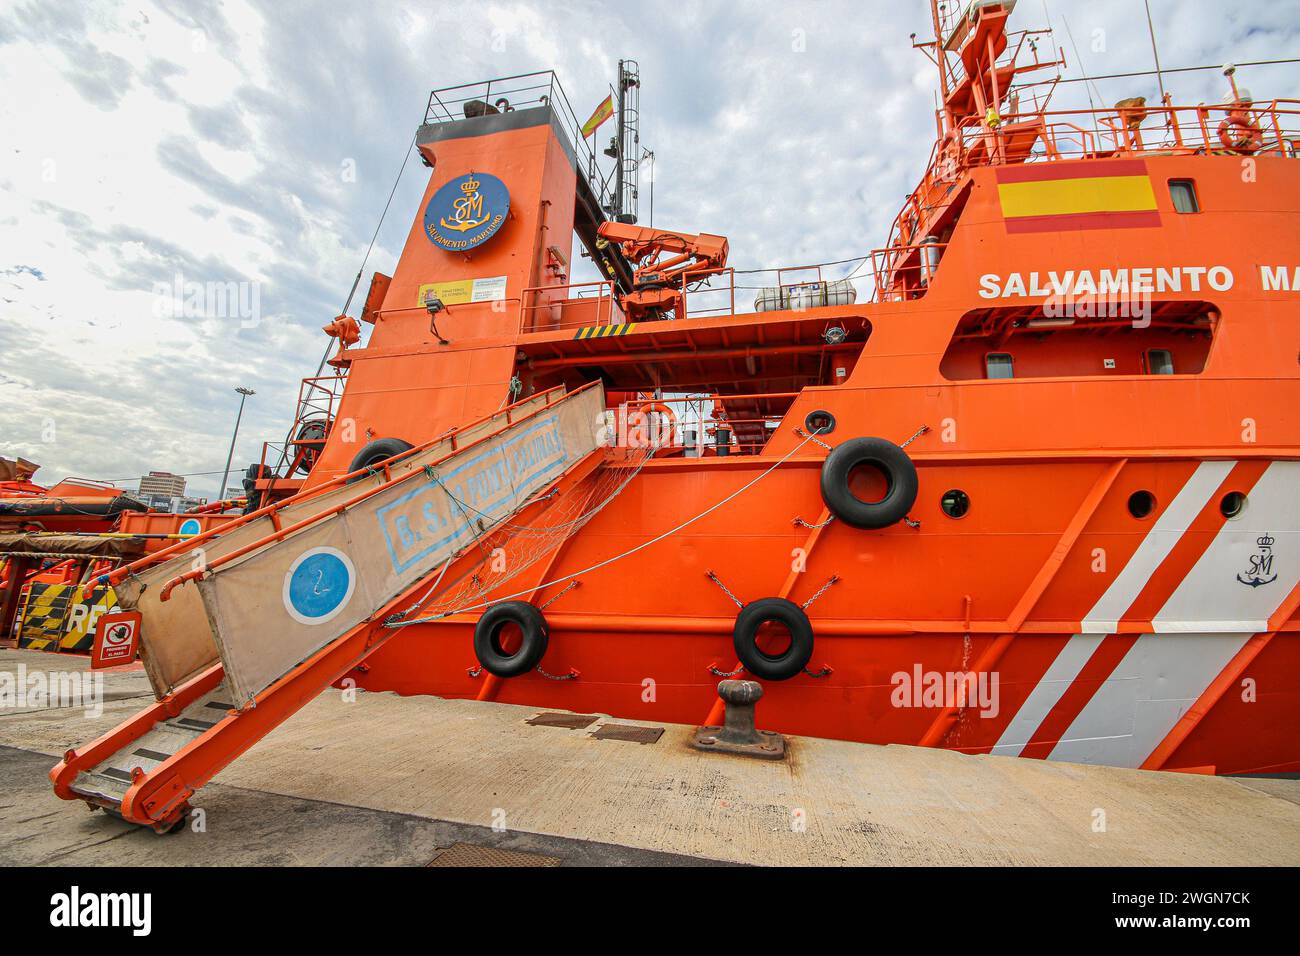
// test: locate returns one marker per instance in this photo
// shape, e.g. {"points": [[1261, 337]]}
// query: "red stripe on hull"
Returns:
{"points": [[1084, 169], [1100, 666], [1070, 222]]}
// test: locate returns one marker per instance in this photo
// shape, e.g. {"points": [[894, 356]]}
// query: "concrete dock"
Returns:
{"points": [[383, 779]]}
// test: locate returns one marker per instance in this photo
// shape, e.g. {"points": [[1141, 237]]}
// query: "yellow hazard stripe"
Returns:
{"points": [[1062, 197], [604, 331]]}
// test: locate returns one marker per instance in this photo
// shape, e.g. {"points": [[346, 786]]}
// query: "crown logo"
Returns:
{"points": [[469, 186], [1265, 542]]}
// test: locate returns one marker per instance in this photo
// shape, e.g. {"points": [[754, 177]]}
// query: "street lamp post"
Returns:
{"points": [[243, 397]]}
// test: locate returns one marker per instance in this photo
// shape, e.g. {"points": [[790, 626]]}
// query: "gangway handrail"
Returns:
{"points": [[122, 573], [280, 533]]}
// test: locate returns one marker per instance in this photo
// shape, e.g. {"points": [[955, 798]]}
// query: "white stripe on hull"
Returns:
{"points": [[1047, 693], [1160, 677]]}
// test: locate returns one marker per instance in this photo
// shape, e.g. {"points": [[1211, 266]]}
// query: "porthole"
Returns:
{"points": [[1232, 505], [955, 503], [1141, 504], [819, 423]]}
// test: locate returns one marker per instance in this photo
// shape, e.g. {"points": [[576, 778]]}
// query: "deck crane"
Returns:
{"points": [[659, 284]]}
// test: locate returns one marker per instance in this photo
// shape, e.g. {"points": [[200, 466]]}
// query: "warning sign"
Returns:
{"points": [[464, 291], [116, 638]]}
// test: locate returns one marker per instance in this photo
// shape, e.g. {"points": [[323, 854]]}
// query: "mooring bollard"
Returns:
{"points": [[738, 735]]}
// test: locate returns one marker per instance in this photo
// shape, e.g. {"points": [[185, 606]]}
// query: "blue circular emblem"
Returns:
{"points": [[190, 526], [466, 212], [318, 585]]}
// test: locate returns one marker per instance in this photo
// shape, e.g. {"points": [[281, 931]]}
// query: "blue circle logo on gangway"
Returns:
{"points": [[189, 527], [466, 212], [318, 585]]}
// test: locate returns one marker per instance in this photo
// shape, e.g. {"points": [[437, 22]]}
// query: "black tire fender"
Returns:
{"points": [[767, 666], [254, 497], [381, 449], [487, 638], [891, 461]]}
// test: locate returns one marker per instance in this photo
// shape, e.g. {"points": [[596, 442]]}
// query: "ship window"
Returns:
{"points": [[819, 423], [998, 365], [1233, 504], [1141, 504], [1158, 361], [1183, 193], [955, 503]]}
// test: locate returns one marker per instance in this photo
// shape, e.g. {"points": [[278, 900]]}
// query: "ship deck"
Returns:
{"points": [[419, 780]]}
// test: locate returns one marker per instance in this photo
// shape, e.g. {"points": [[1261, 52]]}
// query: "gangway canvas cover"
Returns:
{"points": [[177, 644]]}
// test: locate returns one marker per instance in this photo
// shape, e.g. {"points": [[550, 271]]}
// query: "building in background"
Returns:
{"points": [[162, 483], [176, 504]]}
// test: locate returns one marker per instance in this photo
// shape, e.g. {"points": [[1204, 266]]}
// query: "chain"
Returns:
{"points": [[824, 588], [713, 669], [718, 581], [572, 675], [799, 522], [919, 432], [572, 584], [804, 435]]}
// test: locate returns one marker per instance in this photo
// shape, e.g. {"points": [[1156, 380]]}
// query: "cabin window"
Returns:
{"points": [[1158, 361], [998, 365], [1183, 193]]}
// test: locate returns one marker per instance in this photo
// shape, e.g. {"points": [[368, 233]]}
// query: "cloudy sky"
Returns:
{"points": [[256, 142]]}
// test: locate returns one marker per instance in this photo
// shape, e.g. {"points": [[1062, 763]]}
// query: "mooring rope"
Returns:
{"points": [[618, 557]]}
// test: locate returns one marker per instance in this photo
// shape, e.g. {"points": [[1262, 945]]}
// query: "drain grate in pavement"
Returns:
{"points": [[567, 721], [636, 735], [469, 854]]}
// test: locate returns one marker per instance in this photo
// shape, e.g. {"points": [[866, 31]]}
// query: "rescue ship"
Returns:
{"points": [[1025, 484]]}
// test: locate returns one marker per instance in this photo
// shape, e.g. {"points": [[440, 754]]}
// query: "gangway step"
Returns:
{"points": [[110, 779]]}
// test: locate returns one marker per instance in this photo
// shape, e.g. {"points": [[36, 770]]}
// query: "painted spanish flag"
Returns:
{"points": [[603, 112], [1089, 194]]}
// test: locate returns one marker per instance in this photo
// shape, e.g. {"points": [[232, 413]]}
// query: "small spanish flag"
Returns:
{"points": [[603, 112], [1086, 194]]}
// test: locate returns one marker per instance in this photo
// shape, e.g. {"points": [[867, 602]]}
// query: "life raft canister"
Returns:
{"points": [[376, 451], [487, 638], [758, 662], [886, 457]]}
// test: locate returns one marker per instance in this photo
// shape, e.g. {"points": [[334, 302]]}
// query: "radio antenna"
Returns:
{"points": [[1155, 52]]}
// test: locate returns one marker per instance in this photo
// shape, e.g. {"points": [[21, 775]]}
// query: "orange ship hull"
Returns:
{"points": [[1114, 638]]}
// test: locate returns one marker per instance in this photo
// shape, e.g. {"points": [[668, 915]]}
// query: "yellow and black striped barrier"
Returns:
{"points": [[604, 331], [44, 615], [61, 617]]}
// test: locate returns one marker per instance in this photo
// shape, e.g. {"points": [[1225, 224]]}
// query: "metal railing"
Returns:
{"points": [[1056, 135], [541, 307], [891, 274], [506, 94], [708, 424]]}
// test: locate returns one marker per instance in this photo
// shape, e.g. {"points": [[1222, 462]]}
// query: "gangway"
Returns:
{"points": [[242, 626]]}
